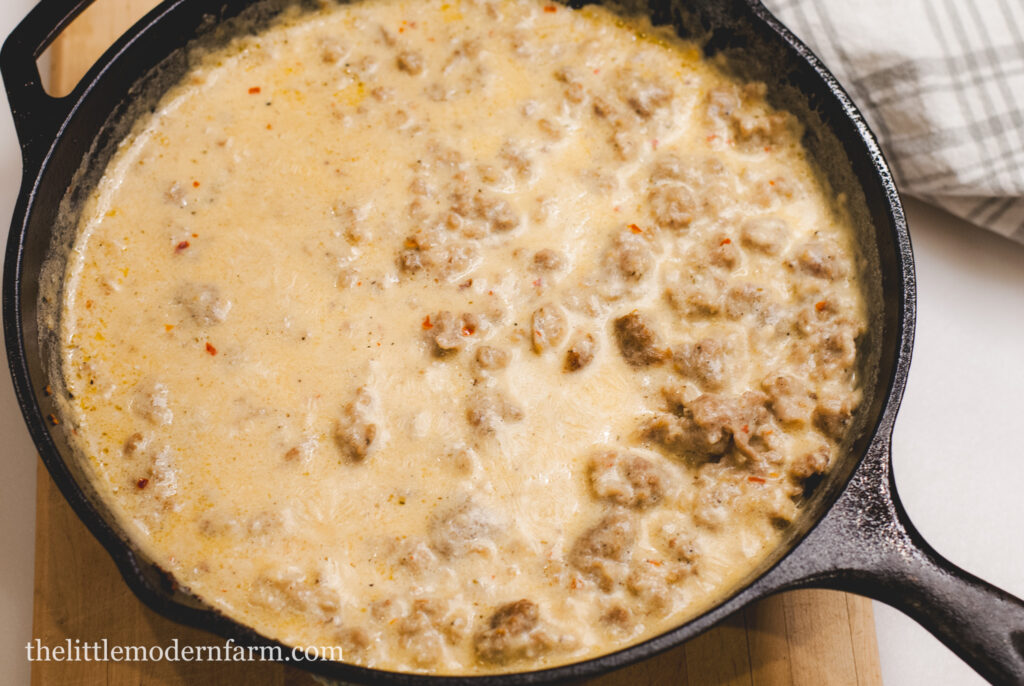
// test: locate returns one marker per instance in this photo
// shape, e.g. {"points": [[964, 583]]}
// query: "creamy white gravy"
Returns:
{"points": [[469, 336]]}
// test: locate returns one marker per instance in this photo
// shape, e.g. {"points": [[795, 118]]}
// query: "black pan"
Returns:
{"points": [[853, 535]]}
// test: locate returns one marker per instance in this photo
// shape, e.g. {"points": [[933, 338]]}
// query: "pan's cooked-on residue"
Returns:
{"points": [[472, 336]]}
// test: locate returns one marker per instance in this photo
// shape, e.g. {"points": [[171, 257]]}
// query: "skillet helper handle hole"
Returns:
{"points": [[868, 545], [40, 105]]}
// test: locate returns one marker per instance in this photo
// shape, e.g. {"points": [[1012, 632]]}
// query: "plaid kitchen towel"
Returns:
{"points": [[941, 82]]}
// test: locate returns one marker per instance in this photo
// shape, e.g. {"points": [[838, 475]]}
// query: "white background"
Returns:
{"points": [[957, 451]]}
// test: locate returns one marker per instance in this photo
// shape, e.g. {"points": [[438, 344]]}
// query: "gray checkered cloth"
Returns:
{"points": [[941, 82]]}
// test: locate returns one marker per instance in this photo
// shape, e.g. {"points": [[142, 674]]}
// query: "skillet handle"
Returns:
{"points": [[868, 545], [37, 116]]}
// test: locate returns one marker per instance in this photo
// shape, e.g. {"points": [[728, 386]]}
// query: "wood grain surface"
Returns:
{"points": [[801, 638]]}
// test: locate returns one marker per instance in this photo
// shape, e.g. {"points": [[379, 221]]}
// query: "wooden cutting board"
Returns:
{"points": [[801, 638]]}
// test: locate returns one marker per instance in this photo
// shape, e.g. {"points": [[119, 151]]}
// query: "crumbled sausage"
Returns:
{"points": [[722, 253], [453, 260], [618, 617], [748, 118], [497, 213], [573, 84], [833, 415], [134, 445], [648, 585], [449, 332], [355, 431], [331, 51], [513, 632], [710, 424], [743, 299], [486, 410], [291, 589], [491, 358], [766, 235], [788, 399], [204, 303], [548, 327], [706, 362], [581, 352], [415, 556], [463, 529], [837, 345], [423, 632], [703, 298], [151, 401], [673, 206], [548, 260], [819, 259], [811, 463], [682, 550], [494, 214], [603, 550], [410, 260], [515, 160], [410, 62], [644, 96], [624, 141], [638, 343], [352, 222], [630, 256], [162, 478], [353, 641], [626, 479]]}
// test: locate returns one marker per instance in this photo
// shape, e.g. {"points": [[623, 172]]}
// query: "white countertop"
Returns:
{"points": [[959, 468]]}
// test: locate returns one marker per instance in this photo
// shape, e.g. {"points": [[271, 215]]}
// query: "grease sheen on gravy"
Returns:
{"points": [[469, 336]]}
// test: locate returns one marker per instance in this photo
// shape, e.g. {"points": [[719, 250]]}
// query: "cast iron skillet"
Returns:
{"points": [[854, 534]]}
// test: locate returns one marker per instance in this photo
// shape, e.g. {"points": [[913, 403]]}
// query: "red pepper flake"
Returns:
{"points": [[656, 563], [195, 184], [712, 137], [142, 483], [755, 479], [195, 235], [210, 349], [168, 327], [726, 241], [490, 292], [635, 229], [767, 148], [468, 330], [745, 428], [597, 71], [550, 8], [48, 390], [182, 246], [820, 305], [53, 419], [537, 283], [772, 182], [255, 90], [426, 323]]}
